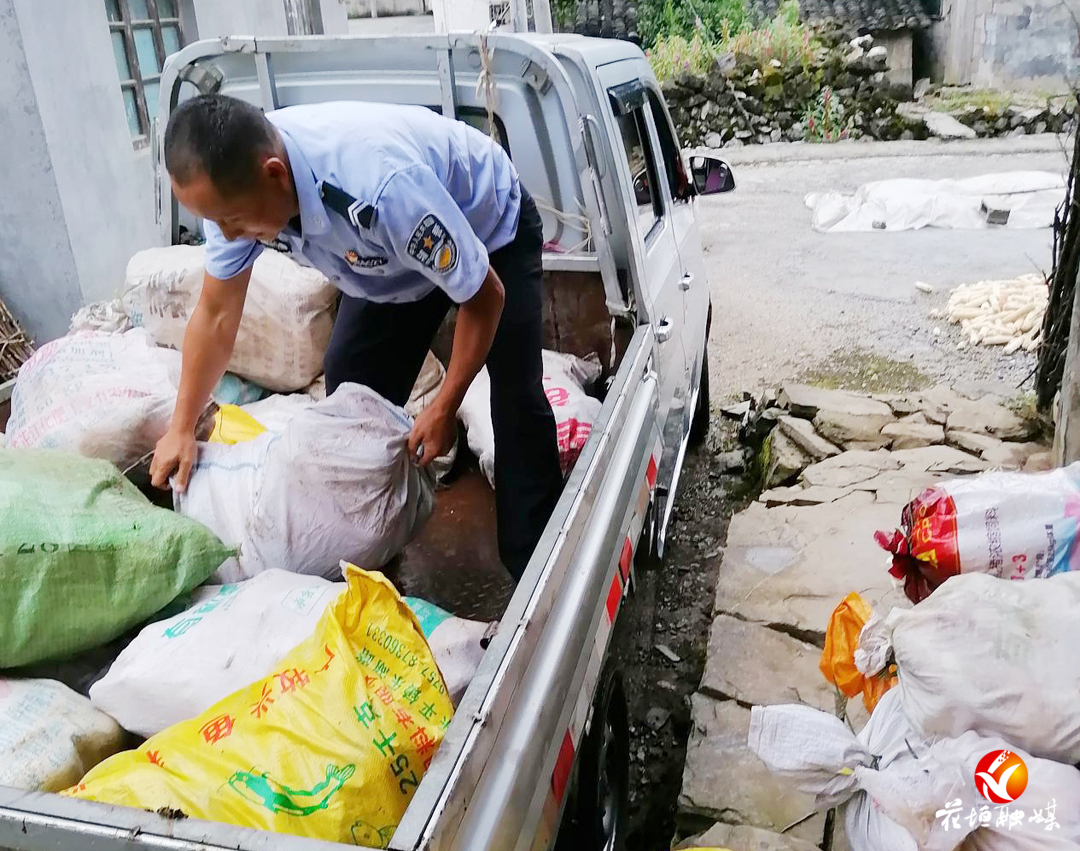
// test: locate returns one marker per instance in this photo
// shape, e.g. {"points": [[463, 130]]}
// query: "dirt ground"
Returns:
{"points": [[673, 608]]}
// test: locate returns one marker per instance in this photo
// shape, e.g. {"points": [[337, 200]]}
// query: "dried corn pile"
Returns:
{"points": [[1000, 313]]}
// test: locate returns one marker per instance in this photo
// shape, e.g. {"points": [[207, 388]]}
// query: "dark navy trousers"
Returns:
{"points": [[383, 347]]}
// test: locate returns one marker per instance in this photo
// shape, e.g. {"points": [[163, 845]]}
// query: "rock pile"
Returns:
{"points": [[815, 437], [744, 103], [1056, 117]]}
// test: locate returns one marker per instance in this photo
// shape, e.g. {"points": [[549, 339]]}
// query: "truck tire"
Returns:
{"points": [[596, 816], [699, 426]]}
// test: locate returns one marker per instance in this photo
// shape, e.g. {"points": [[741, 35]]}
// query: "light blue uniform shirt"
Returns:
{"points": [[430, 198]]}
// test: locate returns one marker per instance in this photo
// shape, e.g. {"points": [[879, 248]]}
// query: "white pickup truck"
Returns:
{"points": [[540, 738]]}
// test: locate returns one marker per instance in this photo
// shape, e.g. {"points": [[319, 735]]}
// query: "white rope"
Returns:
{"points": [[577, 221], [486, 83]]}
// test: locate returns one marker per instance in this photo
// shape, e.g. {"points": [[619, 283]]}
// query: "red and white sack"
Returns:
{"points": [[1007, 525], [565, 380], [988, 655], [288, 314]]}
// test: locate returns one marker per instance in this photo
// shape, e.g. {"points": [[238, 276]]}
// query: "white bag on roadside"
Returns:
{"points": [[50, 736], [232, 635], [288, 315], [989, 655], [102, 395], [565, 379], [336, 483], [904, 793], [819, 754]]}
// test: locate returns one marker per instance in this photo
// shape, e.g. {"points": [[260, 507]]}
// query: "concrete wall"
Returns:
{"points": [[77, 197], [1028, 43], [386, 8], [72, 209], [1006, 44], [215, 18], [37, 271], [898, 43]]}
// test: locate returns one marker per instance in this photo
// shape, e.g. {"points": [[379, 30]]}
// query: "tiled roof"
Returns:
{"points": [[605, 18], [870, 15]]}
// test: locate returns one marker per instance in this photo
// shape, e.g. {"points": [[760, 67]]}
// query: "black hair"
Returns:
{"points": [[219, 136]]}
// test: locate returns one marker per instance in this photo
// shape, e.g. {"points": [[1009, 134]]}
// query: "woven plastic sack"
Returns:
{"points": [[336, 482], [565, 380], [84, 556], [50, 736], [988, 655], [838, 656], [332, 745], [820, 755], [101, 395], [288, 314], [173, 669], [903, 792], [943, 799], [1007, 525]]}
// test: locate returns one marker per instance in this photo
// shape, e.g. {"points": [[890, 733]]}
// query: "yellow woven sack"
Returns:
{"points": [[332, 745], [234, 425]]}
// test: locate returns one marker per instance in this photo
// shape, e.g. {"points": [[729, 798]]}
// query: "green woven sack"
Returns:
{"points": [[84, 556]]}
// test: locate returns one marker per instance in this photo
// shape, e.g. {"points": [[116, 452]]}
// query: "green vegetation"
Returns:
{"points": [[959, 99], [783, 40], [824, 119], [780, 43], [676, 55], [713, 20], [955, 100], [866, 372]]}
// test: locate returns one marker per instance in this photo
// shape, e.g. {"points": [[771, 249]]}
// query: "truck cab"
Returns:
{"points": [[541, 732]]}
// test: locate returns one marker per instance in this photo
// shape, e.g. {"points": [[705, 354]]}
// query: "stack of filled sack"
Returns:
{"points": [[219, 676], [974, 735]]}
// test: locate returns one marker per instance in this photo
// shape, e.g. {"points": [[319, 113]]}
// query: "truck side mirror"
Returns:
{"points": [[711, 176]]}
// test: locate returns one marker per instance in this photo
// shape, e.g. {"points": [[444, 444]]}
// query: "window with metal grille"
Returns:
{"points": [[143, 33]]}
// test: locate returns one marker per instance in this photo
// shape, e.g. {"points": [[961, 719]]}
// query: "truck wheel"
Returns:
{"points": [[699, 427], [596, 818]]}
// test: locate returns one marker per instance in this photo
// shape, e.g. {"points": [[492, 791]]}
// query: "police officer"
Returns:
{"points": [[409, 214]]}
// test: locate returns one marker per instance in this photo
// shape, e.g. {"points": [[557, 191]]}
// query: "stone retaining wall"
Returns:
{"points": [[741, 104]]}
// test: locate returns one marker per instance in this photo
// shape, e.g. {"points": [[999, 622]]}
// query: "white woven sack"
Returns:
{"points": [[288, 314]]}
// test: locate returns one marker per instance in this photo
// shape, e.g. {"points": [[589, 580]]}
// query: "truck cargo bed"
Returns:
{"points": [[455, 561]]}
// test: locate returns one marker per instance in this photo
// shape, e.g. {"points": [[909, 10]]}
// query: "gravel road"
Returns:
{"points": [[788, 300]]}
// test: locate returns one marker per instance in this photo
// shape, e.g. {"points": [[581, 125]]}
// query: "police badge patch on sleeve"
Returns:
{"points": [[432, 245]]}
